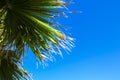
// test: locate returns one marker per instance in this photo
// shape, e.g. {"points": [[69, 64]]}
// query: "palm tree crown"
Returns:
{"points": [[28, 23]]}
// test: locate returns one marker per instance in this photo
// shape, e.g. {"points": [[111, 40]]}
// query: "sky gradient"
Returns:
{"points": [[96, 55]]}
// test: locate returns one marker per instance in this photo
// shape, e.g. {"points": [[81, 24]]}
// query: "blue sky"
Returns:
{"points": [[97, 52]]}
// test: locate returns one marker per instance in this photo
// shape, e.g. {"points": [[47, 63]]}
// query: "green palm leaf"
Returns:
{"points": [[10, 66], [28, 23]]}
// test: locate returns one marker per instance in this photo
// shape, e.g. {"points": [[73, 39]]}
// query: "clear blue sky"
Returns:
{"points": [[97, 52]]}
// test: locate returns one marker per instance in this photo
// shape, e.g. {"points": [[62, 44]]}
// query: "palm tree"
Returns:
{"points": [[28, 23]]}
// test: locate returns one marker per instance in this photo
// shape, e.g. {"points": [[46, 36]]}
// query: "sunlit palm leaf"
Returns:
{"points": [[27, 24]]}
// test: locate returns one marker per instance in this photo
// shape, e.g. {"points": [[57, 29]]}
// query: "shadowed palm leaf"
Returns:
{"points": [[27, 23], [9, 66]]}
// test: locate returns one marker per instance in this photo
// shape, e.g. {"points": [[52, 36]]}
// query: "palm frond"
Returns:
{"points": [[28, 23], [10, 66]]}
